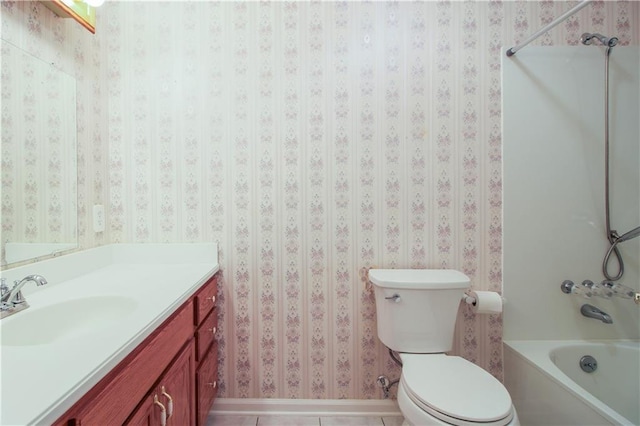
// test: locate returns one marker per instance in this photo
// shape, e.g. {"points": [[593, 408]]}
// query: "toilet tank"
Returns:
{"points": [[417, 308]]}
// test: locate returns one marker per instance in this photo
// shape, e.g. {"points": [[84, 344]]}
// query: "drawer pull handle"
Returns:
{"points": [[163, 414], [169, 404], [212, 298], [213, 330], [214, 384]]}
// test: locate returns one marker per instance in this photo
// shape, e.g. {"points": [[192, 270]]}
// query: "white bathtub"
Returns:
{"points": [[548, 387]]}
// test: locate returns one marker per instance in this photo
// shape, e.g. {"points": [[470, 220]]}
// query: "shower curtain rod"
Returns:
{"points": [[512, 51]]}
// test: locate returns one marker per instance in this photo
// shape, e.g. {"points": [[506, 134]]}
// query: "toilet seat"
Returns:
{"points": [[455, 390]]}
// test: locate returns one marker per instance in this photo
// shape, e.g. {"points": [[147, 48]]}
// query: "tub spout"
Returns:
{"points": [[591, 311]]}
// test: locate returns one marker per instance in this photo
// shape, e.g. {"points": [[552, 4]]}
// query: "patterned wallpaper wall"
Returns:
{"points": [[314, 140]]}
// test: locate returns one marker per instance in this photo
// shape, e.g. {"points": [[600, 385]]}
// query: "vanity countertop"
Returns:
{"points": [[41, 381]]}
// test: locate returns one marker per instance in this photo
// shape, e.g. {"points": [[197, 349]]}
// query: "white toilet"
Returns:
{"points": [[416, 311]]}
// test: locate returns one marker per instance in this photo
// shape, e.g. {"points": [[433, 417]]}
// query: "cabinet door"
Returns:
{"points": [[171, 401], [147, 414], [206, 383], [176, 390]]}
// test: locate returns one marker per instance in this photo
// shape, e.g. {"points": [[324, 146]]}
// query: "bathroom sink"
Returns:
{"points": [[65, 320]]}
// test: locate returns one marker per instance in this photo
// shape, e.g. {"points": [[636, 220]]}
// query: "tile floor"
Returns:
{"points": [[291, 420]]}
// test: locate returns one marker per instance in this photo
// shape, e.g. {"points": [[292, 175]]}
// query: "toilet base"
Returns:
{"points": [[415, 416]]}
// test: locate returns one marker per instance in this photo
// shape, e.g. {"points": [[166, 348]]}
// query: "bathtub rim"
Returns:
{"points": [[537, 353]]}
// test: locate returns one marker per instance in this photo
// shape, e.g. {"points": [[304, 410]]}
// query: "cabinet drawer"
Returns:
{"points": [[206, 334], [206, 384], [206, 299]]}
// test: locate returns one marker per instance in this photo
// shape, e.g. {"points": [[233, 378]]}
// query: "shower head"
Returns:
{"points": [[629, 235], [587, 39]]}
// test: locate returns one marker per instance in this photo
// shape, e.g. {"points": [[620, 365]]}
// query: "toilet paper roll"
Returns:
{"points": [[487, 302]]}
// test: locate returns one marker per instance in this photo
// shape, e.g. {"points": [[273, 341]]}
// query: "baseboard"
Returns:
{"points": [[306, 407]]}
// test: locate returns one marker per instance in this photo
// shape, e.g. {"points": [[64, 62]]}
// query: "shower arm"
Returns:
{"points": [[512, 51]]}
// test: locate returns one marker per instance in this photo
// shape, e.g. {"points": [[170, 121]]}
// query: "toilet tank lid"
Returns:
{"points": [[417, 279]]}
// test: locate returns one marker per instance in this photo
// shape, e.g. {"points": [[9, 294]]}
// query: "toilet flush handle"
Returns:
{"points": [[394, 298]]}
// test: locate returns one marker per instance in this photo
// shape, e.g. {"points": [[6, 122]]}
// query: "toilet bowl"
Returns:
{"points": [[416, 312], [437, 389]]}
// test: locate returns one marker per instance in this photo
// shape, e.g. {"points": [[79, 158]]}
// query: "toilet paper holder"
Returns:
{"points": [[470, 297], [470, 300]]}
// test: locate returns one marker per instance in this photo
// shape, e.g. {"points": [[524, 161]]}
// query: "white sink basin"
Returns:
{"points": [[65, 320]]}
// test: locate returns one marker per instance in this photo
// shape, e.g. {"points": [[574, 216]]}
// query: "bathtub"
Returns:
{"points": [[548, 387]]}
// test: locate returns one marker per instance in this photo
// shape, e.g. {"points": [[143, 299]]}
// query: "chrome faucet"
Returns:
{"points": [[13, 301], [591, 311]]}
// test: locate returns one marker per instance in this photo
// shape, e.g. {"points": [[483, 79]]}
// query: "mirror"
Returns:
{"points": [[39, 158]]}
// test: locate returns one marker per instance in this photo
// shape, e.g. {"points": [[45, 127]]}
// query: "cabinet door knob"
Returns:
{"points": [[213, 330], [169, 403], [213, 384], [163, 412], [212, 298]]}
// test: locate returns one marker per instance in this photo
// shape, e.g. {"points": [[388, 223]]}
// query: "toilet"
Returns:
{"points": [[416, 312]]}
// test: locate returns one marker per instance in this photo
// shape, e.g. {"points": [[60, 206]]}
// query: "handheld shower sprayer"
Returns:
{"points": [[587, 39], [612, 236], [615, 240], [628, 235]]}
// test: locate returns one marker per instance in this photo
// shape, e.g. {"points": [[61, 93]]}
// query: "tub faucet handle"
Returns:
{"points": [[586, 289], [619, 290], [567, 286]]}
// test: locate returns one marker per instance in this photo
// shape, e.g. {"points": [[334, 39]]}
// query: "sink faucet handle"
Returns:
{"points": [[19, 298], [3, 286]]}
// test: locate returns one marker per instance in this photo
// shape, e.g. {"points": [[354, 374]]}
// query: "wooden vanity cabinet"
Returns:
{"points": [[206, 322], [164, 367]]}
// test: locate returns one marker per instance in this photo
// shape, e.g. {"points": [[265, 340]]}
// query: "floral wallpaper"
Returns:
{"points": [[315, 140]]}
